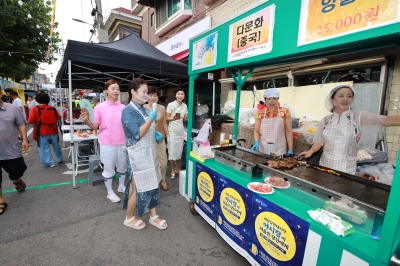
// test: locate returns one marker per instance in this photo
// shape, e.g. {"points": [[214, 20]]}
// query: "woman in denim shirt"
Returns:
{"points": [[142, 194]]}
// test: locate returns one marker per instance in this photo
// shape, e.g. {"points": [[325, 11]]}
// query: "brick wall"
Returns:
{"points": [[148, 32], [393, 133], [227, 9]]}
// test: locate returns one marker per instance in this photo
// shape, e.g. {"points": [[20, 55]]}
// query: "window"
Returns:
{"points": [[152, 20], [173, 6], [188, 4], [169, 13]]}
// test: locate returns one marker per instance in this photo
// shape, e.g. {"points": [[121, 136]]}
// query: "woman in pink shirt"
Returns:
{"points": [[107, 118]]}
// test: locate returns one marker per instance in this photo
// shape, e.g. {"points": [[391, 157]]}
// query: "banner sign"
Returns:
{"points": [[205, 52], [325, 19], [206, 193], [233, 214], [252, 35], [277, 237]]}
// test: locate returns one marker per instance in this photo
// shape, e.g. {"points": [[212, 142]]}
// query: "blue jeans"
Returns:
{"points": [[44, 149]]}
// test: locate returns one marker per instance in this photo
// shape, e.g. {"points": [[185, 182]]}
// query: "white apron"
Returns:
{"points": [[340, 147], [143, 159], [272, 130]]}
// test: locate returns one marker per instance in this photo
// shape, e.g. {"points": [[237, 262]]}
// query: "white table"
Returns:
{"points": [[76, 127], [77, 121], [75, 140]]}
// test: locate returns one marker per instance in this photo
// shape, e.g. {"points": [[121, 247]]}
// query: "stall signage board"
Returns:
{"points": [[234, 203], [322, 20], [252, 35], [206, 192], [277, 237], [205, 52]]}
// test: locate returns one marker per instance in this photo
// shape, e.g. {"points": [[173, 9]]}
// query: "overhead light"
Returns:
{"points": [[81, 21]]}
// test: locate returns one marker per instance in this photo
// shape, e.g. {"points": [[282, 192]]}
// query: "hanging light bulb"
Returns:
{"points": [[20, 2], [40, 33], [29, 16], [37, 26]]}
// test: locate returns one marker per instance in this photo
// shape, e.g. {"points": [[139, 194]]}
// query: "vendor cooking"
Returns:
{"points": [[340, 132], [273, 126]]}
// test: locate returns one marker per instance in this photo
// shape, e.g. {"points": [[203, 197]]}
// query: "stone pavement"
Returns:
{"points": [[53, 224]]}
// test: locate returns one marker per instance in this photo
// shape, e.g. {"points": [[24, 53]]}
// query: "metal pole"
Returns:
{"points": [[71, 126], [213, 103]]}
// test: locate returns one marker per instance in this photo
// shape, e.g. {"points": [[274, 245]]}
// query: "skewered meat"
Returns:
{"points": [[273, 164], [283, 163]]}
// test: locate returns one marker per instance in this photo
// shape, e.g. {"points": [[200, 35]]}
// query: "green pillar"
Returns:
{"points": [[239, 83]]}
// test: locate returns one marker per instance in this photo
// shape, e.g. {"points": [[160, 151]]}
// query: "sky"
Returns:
{"points": [[69, 29]]}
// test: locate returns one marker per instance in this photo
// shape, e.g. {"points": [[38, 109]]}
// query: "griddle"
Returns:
{"points": [[240, 158], [371, 195]]}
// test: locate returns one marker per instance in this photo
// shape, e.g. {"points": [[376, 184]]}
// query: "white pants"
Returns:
{"points": [[113, 156]]}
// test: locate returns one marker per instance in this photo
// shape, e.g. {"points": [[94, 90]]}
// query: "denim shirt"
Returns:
{"points": [[132, 120]]}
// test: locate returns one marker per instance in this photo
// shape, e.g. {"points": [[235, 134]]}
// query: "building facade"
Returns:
{"points": [[121, 23]]}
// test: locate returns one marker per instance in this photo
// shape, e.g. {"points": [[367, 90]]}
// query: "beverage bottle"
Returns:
{"points": [[230, 139], [304, 122]]}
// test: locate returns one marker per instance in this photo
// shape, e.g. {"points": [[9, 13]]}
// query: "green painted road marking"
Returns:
{"points": [[80, 181]]}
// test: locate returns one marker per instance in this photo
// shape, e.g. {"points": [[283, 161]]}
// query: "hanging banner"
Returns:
{"points": [[233, 214], [252, 35], [325, 19], [205, 52], [206, 193], [277, 237]]}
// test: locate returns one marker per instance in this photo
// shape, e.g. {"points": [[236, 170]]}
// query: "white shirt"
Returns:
{"points": [[18, 102]]}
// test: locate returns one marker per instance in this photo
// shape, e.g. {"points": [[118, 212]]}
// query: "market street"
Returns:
{"points": [[52, 224]]}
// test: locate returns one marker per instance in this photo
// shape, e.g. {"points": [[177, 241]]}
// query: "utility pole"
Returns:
{"points": [[102, 34], [99, 15]]}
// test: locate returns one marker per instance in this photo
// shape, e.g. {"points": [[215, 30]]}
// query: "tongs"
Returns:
{"points": [[317, 166]]}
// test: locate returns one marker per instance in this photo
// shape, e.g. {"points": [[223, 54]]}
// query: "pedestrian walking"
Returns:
{"points": [[11, 160], [44, 119], [107, 118], [176, 112], [142, 193], [18, 102]]}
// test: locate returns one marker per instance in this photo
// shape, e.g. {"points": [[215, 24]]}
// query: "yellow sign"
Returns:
{"points": [[326, 19], [252, 35], [205, 186], [275, 236], [232, 206]]}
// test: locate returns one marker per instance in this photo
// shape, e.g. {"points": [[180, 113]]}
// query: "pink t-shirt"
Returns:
{"points": [[108, 116]]}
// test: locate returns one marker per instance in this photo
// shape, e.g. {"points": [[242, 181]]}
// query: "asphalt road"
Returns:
{"points": [[53, 224]]}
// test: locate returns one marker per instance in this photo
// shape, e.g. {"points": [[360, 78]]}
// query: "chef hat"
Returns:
{"points": [[271, 92], [328, 103]]}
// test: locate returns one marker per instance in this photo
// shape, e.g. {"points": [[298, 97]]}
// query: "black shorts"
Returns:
{"points": [[14, 167]]}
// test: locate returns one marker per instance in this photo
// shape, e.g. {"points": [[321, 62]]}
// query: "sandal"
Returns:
{"points": [[3, 207], [164, 187], [172, 176], [161, 225], [137, 225], [20, 185]]}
